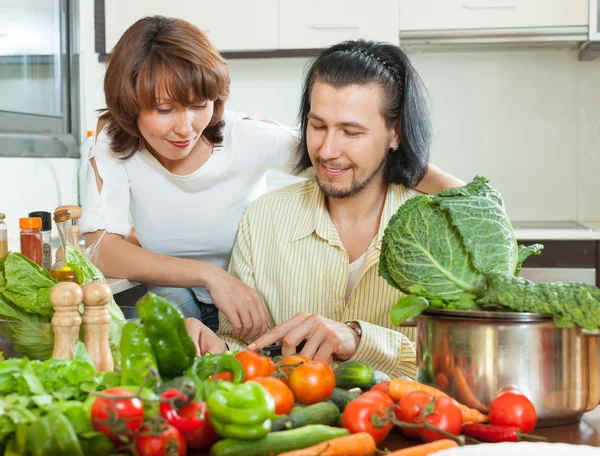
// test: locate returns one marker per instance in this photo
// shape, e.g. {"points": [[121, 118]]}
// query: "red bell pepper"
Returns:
{"points": [[491, 433], [169, 413]]}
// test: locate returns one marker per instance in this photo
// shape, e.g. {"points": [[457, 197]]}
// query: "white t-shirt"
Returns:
{"points": [[353, 271], [194, 216]]}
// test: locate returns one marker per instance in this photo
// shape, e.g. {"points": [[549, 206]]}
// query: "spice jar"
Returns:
{"points": [[31, 238], [3, 237], [46, 237]]}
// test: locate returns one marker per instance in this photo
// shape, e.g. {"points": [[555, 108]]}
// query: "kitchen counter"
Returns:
{"points": [[557, 231], [120, 285]]}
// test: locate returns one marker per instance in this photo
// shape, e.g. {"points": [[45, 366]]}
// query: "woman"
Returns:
{"points": [[171, 159]]}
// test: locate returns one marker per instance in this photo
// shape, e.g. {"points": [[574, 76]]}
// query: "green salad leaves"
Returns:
{"points": [[457, 250]]}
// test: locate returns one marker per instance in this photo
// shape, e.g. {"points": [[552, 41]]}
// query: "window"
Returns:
{"points": [[39, 88]]}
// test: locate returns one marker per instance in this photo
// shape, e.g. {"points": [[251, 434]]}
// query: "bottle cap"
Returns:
{"points": [[90, 133], [2, 216], [30, 222], [62, 215], [46, 219]]}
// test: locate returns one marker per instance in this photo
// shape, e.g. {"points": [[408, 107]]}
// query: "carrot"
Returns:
{"points": [[359, 444], [425, 449], [470, 405], [400, 387]]}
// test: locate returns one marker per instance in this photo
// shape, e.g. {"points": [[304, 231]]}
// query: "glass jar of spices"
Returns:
{"points": [[31, 238], [46, 237], [3, 237]]}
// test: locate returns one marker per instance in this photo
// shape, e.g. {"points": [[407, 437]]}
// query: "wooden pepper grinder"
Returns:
{"points": [[96, 322], [65, 298], [75, 212]]}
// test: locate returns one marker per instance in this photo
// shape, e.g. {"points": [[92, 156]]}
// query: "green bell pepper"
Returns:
{"points": [[53, 435], [165, 327], [205, 366], [240, 411], [138, 362]]}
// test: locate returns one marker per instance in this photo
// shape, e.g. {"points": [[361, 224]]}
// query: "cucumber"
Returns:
{"points": [[319, 413], [278, 442], [341, 398], [377, 378], [353, 374]]}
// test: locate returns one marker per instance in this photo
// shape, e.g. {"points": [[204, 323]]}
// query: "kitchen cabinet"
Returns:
{"points": [[231, 25], [486, 14], [488, 21], [313, 24], [564, 261]]}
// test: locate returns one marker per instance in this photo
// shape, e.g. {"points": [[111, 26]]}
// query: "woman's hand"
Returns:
{"points": [[204, 338], [240, 304]]}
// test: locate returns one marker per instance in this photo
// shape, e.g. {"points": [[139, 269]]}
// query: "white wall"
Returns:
{"points": [[529, 120]]}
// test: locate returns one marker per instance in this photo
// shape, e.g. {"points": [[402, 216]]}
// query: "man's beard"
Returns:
{"points": [[356, 187]]}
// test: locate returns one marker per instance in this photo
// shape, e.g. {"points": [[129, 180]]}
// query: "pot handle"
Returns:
{"points": [[412, 323], [595, 333]]}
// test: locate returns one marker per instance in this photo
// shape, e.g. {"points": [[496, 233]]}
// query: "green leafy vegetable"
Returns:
{"points": [[457, 250]]}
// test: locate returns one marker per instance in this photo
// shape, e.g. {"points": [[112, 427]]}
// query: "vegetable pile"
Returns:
{"points": [[457, 250], [165, 400]]}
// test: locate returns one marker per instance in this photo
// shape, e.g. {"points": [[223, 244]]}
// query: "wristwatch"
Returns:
{"points": [[355, 326]]}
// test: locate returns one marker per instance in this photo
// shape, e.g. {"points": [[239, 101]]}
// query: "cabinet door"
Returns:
{"points": [[314, 24], [231, 25], [595, 20], [486, 14]]}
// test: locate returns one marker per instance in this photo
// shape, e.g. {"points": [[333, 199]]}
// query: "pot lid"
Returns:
{"points": [[490, 315]]}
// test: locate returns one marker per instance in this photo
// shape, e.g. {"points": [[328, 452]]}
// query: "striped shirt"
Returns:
{"points": [[289, 251]]}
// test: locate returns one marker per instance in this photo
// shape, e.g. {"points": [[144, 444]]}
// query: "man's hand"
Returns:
{"points": [[240, 304], [204, 338], [324, 337]]}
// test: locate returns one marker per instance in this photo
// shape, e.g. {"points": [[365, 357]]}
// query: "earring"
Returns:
{"points": [[395, 148]]}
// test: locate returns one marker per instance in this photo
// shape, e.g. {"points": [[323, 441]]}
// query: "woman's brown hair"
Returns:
{"points": [[159, 51]]}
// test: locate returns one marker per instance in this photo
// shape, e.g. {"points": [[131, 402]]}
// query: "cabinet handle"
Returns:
{"points": [[333, 27], [481, 7]]}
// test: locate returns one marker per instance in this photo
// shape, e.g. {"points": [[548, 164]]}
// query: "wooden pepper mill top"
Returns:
{"points": [[65, 298], [96, 323]]}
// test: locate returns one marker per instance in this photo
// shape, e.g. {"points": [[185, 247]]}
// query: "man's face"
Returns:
{"points": [[347, 137]]}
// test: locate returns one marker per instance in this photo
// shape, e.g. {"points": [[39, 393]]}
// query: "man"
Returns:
{"points": [[311, 250]]}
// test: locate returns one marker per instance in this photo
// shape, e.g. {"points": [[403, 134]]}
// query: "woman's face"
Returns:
{"points": [[172, 130]]}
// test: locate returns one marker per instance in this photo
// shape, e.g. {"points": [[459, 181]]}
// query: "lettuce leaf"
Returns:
{"points": [[27, 285]]}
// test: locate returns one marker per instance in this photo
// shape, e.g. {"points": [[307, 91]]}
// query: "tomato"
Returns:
{"points": [[282, 395], [255, 364], [288, 363], [358, 414], [381, 386], [169, 443], [446, 416], [442, 382], [409, 408], [205, 435], [129, 411], [513, 409], [227, 376], [312, 382]]}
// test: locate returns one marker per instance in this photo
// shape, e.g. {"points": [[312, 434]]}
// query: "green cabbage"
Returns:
{"points": [[457, 250]]}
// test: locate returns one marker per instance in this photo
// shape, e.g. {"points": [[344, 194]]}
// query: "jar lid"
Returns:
{"points": [[46, 219], [30, 222]]}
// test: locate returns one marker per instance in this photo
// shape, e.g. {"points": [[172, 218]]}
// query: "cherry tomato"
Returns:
{"points": [[359, 412], [446, 416], [205, 435], [287, 365], [282, 395], [513, 409], [409, 408], [129, 411], [312, 382], [169, 443], [255, 364]]}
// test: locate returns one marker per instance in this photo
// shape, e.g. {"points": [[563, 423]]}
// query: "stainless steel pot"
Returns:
{"points": [[475, 355]]}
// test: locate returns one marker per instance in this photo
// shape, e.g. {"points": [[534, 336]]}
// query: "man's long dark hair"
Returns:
{"points": [[404, 103]]}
